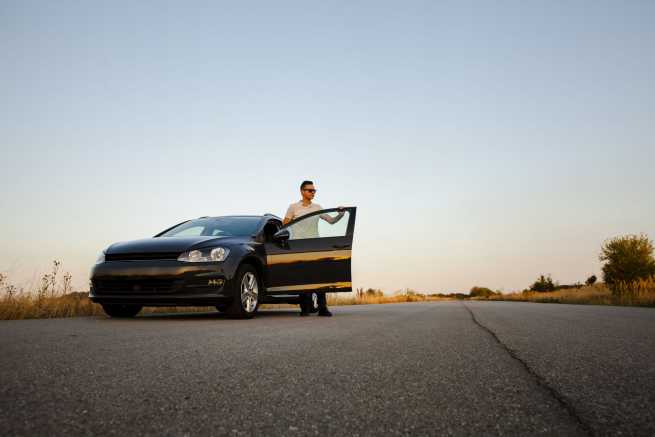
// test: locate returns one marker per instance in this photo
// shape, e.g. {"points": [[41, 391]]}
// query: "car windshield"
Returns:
{"points": [[216, 226]]}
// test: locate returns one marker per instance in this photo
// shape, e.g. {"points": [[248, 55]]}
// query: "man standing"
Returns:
{"points": [[310, 230]]}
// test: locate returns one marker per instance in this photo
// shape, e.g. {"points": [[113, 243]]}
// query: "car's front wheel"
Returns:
{"points": [[117, 310], [246, 296]]}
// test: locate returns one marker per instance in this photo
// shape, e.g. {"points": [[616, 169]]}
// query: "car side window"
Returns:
{"points": [[191, 232], [326, 225]]}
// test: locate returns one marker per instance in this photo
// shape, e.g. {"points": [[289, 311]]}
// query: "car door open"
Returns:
{"points": [[312, 253]]}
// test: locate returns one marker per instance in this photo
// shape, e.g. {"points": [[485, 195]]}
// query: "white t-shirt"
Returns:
{"points": [[298, 210], [306, 228]]}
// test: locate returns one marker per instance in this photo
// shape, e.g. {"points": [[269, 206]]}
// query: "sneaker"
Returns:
{"points": [[325, 313]]}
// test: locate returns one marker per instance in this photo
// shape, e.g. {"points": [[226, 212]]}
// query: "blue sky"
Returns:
{"points": [[484, 143]]}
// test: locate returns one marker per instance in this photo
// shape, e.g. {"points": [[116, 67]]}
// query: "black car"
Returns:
{"points": [[234, 263]]}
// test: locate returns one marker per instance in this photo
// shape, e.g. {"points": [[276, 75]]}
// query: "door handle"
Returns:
{"points": [[341, 246]]}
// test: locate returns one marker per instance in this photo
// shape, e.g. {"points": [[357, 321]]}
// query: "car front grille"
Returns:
{"points": [[141, 256], [134, 286]]}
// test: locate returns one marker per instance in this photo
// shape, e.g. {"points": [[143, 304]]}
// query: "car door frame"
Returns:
{"points": [[311, 264]]}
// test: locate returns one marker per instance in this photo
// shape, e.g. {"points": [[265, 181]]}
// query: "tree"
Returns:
{"points": [[543, 284], [627, 259], [481, 292], [591, 280]]}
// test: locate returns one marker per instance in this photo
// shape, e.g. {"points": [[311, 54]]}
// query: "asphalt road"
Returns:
{"points": [[421, 369]]}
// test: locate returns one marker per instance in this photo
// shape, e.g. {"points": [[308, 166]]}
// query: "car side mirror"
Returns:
{"points": [[281, 235]]}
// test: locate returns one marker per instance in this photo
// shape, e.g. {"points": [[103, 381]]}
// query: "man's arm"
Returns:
{"points": [[288, 216], [332, 220]]}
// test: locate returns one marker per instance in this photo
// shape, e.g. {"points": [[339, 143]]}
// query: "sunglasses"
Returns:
{"points": [[311, 190]]}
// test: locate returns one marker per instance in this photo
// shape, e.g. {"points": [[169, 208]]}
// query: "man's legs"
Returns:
{"points": [[305, 301], [322, 304]]}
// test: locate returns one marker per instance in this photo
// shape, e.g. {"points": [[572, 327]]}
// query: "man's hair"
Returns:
{"points": [[306, 183]]}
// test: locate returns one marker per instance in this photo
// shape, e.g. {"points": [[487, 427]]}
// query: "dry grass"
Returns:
{"points": [[365, 299], [641, 292], [52, 298], [31, 306], [637, 293]]}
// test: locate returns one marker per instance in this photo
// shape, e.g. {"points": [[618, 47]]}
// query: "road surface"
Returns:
{"points": [[399, 369]]}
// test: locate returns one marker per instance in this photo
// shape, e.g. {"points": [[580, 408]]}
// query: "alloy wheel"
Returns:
{"points": [[249, 292]]}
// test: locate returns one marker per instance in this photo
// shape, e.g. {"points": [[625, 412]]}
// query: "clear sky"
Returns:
{"points": [[484, 142]]}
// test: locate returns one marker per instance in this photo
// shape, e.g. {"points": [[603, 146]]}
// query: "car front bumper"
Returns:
{"points": [[161, 282]]}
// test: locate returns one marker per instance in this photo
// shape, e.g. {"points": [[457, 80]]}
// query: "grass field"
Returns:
{"points": [[638, 293]]}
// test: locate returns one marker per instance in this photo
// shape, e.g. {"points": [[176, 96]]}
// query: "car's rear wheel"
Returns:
{"points": [[118, 310], [246, 293]]}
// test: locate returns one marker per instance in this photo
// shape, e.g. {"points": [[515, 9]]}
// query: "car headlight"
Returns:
{"points": [[101, 258], [210, 254]]}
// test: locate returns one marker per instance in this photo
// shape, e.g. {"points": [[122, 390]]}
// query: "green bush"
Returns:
{"points": [[627, 259], [591, 280], [543, 284], [481, 292]]}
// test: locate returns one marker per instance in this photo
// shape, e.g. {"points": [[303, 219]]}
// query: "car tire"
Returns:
{"points": [[247, 293], [121, 311]]}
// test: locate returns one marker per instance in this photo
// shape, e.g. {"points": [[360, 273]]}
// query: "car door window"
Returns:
{"points": [[322, 225], [191, 231]]}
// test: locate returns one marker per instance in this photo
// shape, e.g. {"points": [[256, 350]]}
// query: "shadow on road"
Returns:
{"points": [[212, 315]]}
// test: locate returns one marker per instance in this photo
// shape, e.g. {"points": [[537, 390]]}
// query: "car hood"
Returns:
{"points": [[170, 244]]}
